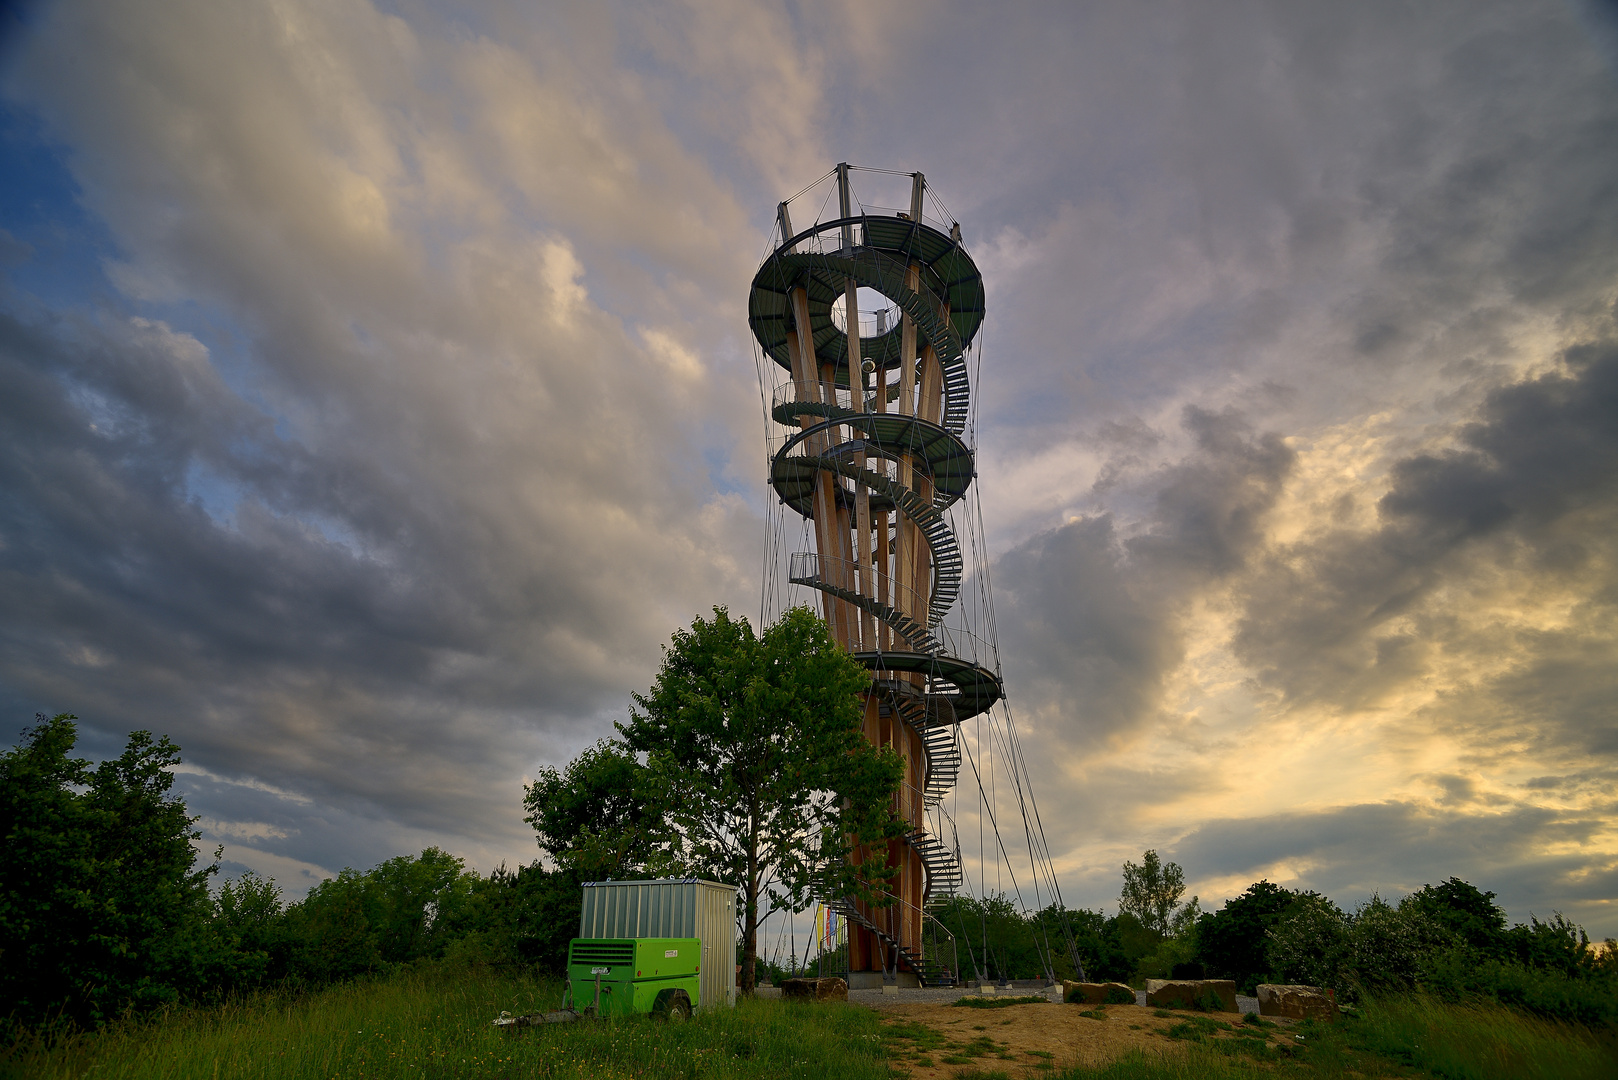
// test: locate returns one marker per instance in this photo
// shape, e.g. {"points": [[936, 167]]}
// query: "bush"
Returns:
{"points": [[1466, 912], [1387, 946], [1557, 945], [1162, 961], [525, 916], [1457, 975], [1310, 944], [428, 907], [101, 907], [1233, 942]]}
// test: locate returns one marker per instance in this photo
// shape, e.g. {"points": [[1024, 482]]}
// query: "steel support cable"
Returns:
{"points": [[803, 190], [995, 827], [769, 515], [967, 879], [1018, 770], [1027, 837], [1044, 845], [1050, 870]]}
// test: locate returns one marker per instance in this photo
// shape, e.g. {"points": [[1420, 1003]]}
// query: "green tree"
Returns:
{"points": [[1001, 941], [1233, 942], [102, 908], [406, 909], [1558, 945], [755, 744], [1310, 943], [248, 918], [1151, 892], [524, 916], [1100, 944], [1465, 911], [1388, 945], [601, 816]]}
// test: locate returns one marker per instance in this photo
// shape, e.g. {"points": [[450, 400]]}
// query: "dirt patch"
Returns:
{"points": [[939, 1041]]}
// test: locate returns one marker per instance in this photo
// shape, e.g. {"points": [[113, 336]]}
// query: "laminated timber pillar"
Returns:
{"points": [[874, 454]]}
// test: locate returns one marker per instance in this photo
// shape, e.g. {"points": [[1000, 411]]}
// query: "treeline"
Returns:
{"points": [[1450, 939], [744, 763], [104, 910]]}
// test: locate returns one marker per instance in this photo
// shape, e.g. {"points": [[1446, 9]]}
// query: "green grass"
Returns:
{"points": [[1000, 1003], [1477, 1042], [1197, 1062], [1196, 1029], [1407, 1036], [436, 1026]]}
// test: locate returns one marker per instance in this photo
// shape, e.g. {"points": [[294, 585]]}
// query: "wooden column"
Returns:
{"points": [[856, 393], [807, 383], [906, 541], [909, 538]]}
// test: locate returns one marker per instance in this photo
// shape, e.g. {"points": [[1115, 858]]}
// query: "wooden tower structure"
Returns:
{"points": [[870, 444]]}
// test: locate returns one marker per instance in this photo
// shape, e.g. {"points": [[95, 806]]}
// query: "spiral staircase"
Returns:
{"points": [[845, 452]]}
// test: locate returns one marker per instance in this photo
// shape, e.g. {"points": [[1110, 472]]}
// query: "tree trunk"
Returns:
{"points": [[750, 912]]}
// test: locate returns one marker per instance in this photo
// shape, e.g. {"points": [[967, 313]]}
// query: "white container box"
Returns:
{"points": [[670, 908]]}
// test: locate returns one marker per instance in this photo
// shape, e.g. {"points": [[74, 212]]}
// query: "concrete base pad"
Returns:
{"points": [[873, 980]]}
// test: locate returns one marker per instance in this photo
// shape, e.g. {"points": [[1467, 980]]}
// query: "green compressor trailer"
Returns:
{"points": [[624, 976]]}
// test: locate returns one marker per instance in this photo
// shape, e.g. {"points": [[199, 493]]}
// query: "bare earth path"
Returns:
{"points": [[937, 1039]]}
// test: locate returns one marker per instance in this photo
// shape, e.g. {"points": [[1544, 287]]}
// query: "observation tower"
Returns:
{"points": [[871, 314]]}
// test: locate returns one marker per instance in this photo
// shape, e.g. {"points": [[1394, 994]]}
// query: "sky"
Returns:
{"points": [[377, 398]]}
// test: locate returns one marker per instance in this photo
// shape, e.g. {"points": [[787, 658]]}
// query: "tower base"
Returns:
{"points": [[872, 980]]}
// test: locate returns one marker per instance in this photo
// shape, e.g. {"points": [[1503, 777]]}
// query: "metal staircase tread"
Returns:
{"points": [[886, 276]]}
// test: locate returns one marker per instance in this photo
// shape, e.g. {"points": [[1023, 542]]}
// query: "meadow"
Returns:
{"points": [[436, 1023]]}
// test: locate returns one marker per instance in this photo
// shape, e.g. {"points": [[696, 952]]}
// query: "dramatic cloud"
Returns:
{"points": [[376, 398]]}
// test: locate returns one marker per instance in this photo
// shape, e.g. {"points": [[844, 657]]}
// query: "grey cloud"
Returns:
{"points": [[1396, 847], [1210, 508], [133, 606], [421, 512], [1091, 610], [472, 283], [1540, 450], [1529, 489]]}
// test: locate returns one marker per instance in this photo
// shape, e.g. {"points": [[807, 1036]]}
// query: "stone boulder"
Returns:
{"points": [[1225, 989], [1085, 993], [814, 989], [1192, 994], [1297, 1002]]}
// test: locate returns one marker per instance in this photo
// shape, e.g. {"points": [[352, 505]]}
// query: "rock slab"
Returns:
{"points": [[1085, 993], [1192, 994], [1297, 1002], [814, 989]]}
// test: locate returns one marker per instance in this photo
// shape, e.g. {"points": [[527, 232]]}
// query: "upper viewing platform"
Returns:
{"points": [[875, 248]]}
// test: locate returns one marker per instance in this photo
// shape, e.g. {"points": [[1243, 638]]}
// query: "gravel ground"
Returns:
{"points": [[945, 994]]}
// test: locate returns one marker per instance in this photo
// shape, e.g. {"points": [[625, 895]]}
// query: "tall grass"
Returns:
{"points": [[435, 1025], [1394, 1036], [1197, 1063], [432, 1026], [1481, 1042]]}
